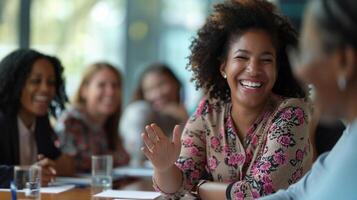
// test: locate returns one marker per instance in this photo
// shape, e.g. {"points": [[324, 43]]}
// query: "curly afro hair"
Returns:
{"points": [[230, 20], [15, 69]]}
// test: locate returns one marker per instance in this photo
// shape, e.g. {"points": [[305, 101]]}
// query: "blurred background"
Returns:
{"points": [[128, 33]]}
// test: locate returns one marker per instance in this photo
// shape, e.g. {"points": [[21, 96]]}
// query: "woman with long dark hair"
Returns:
{"points": [[31, 87]]}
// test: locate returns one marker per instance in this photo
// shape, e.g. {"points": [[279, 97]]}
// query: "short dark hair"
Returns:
{"points": [[15, 69], [160, 68], [233, 18]]}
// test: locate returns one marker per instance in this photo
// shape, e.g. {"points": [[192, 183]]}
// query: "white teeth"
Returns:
{"points": [[41, 98], [251, 84]]}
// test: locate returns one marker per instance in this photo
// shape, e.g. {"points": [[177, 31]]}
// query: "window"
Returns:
{"points": [[79, 32], [8, 26]]}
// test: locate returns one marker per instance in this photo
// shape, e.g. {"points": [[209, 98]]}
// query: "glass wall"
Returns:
{"points": [[180, 22], [9, 20], [79, 32]]}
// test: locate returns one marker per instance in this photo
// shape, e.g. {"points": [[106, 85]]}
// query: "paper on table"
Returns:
{"points": [[51, 189], [126, 194], [56, 189]]}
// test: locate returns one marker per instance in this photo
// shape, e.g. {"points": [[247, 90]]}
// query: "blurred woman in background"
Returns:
{"points": [[157, 99], [31, 85], [90, 126], [328, 60]]}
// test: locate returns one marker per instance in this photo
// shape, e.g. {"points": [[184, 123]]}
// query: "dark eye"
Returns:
{"points": [[35, 81], [267, 60], [242, 58]]}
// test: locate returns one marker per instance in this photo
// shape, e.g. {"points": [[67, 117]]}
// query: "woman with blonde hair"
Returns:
{"points": [[90, 127]]}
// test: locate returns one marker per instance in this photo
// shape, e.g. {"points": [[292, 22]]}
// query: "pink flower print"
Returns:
{"points": [[300, 115], [284, 140], [188, 164], [188, 142], [236, 159], [212, 163], [266, 166], [254, 140], [221, 133], [195, 174], [226, 150], [248, 156], [200, 108], [250, 130], [255, 194], [286, 115], [266, 179], [299, 155], [215, 143], [194, 151], [239, 195], [297, 175], [273, 127], [280, 158], [268, 188], [255, 171]]}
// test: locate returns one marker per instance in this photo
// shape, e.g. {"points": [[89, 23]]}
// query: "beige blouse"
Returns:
{"points": [[275, 153]]}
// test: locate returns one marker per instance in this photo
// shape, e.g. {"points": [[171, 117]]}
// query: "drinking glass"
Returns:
{"points": [[102, 166], [27, 181]]}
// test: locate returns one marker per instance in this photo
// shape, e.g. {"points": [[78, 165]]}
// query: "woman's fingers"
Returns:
{"points": [[152, 134], [158, 131], [148, 142], [147, 152], [177, 135]]}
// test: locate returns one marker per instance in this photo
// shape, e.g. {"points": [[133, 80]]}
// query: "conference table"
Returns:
{"points": [[137, 184]]}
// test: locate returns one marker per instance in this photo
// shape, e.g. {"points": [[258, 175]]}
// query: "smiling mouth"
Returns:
{"points": [[251, 84], [41, 99]]}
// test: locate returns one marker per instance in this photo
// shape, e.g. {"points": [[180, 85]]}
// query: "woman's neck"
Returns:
{"points": [[27, 118], [244, 117], [96, 118]]}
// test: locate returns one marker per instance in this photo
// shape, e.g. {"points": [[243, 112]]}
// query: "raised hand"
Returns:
{"points": [[159, 149]]}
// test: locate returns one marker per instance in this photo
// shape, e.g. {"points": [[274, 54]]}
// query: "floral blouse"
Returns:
{"points": [[275, 152], [81, 138]]}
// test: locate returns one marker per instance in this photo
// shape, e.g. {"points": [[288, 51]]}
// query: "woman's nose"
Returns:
{"points": [[253, 67]]}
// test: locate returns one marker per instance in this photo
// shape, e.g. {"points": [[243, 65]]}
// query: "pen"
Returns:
{"points": [[13, 190]]}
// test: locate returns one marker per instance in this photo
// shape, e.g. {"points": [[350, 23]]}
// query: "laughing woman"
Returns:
{"points": [[249, 136], [90, 127], [31, 85]]}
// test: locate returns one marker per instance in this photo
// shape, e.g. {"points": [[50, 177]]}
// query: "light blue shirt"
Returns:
{"points": [[333, 175]]}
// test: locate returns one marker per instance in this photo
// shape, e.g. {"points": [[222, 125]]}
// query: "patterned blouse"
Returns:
{"points": [[275, 152], [82, 138]]}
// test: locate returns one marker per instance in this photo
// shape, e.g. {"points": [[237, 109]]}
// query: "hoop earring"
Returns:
{"points": [[341, 82]]}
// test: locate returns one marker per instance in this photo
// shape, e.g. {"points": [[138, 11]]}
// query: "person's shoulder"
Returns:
{"points": [[293, 102], [292, 110], [209, 106]]}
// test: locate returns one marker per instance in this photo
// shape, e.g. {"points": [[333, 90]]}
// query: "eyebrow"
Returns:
{"points": [[248, 52]]}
